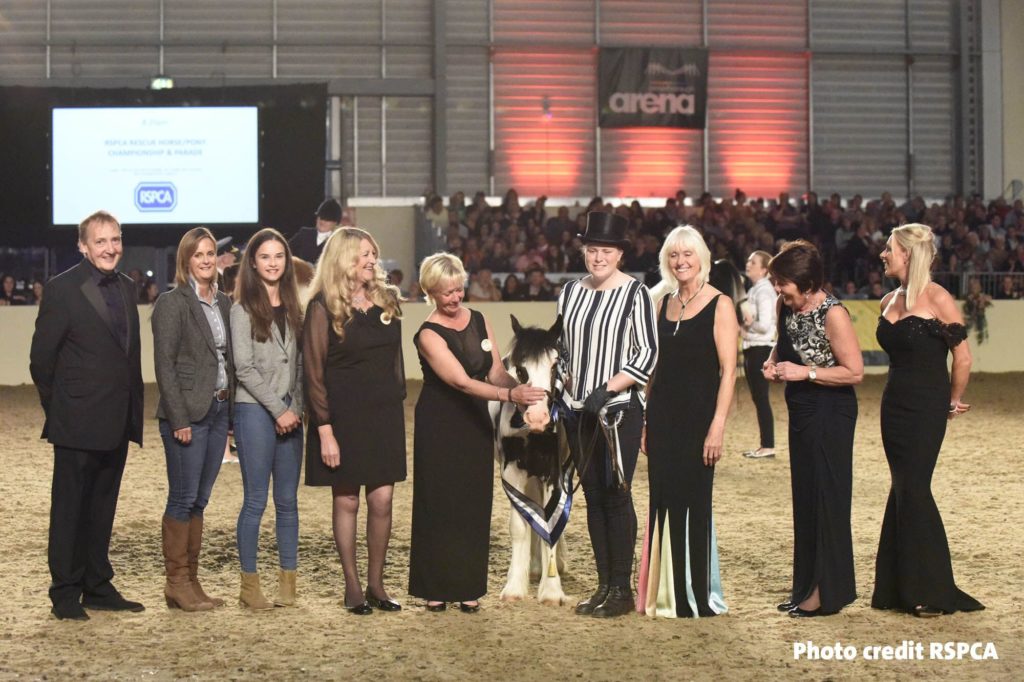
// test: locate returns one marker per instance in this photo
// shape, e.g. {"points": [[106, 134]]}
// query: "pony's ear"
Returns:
{"points": [[556, 329], [516, 327]]}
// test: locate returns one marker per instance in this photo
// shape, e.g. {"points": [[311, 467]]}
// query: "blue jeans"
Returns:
{"points": [[192, 469], [262, 452]]}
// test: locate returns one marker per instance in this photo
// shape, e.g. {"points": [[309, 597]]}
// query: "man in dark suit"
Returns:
{"points": [[85, 363], [308, 242]]}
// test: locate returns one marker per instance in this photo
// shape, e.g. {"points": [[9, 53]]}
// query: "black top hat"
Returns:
{"points": [[606, 228], [329, 210]]}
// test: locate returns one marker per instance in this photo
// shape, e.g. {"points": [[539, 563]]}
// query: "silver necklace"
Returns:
{"points": [[679, 295]]}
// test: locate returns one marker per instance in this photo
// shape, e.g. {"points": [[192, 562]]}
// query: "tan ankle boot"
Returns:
{"points": [[285, 588], [251, 595], [178, 589], [195, 544]]}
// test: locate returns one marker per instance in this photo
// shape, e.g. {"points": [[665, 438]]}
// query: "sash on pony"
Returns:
{"points": [[543, 457]]}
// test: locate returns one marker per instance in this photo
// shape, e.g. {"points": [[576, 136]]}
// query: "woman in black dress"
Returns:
{"points": [[919, 325], [355, 385], [453, 449], [690, 394], [818, 357]]}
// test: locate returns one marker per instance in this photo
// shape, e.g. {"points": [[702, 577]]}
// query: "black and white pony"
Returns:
{"points": [[536, 469]]}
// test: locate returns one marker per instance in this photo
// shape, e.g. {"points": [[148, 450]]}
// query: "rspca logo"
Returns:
{"points": [[156, 196]]}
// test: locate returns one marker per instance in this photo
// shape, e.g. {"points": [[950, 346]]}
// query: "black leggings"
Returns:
{"points": [[753, 360], [611, 518]]}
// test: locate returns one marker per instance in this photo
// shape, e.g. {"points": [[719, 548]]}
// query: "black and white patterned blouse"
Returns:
{"points": [[806, 331]]}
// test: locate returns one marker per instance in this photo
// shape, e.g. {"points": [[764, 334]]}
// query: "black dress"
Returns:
{"points": [[357, 385], [679, 574], [453, 475], [822, 421], [913, 567]]}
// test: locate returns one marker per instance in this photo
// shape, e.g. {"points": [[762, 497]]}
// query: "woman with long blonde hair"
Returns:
{"points": [[355, 385], [920, 324]]}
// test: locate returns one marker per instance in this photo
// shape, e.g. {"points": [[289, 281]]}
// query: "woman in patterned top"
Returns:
{"points": [[818, 357], [610, 346]]}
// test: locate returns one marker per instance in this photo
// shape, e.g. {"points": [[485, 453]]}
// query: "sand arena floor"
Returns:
{"points": [[979, 485]]}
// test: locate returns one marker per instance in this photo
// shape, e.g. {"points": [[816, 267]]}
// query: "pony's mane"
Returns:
{"points": [[531, 342], [726, 277]]}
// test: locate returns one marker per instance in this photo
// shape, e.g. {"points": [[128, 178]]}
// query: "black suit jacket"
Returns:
{"points": [[303, 245], [89, 385]]}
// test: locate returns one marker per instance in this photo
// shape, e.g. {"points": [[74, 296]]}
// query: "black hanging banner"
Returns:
{"points": [[659, 86]]}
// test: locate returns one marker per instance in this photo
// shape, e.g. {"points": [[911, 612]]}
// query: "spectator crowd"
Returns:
{"points": [[532, 244]]}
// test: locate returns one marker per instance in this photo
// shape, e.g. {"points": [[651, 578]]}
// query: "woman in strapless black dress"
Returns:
{"points": [[920, 324], [818, 357]]}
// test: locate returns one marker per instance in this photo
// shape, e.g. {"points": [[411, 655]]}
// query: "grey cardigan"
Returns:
{"points": [[185, 356], [267, 371]]}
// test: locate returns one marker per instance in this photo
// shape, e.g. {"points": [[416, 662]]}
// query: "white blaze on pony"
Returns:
{"points": [[536, 470]]}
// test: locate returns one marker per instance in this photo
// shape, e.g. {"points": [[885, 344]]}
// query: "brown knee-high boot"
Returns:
{"points": [[195, 544], [178, 589]]}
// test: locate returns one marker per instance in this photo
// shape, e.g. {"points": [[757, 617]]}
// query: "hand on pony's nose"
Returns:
{"points": [[528, 395]]}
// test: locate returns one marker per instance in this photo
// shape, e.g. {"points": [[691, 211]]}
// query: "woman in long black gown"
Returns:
{"points": [[453, 449], [690, 394], [818, 357], [919, 325]]}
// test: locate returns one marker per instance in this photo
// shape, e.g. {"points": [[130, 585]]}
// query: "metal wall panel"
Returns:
{"points": [[651, 162], [932, 24], [408, 170], [535, 153], [409, 21], [860, 125], [224, 21], [466, 21], [757, 124], [565, 22], [23, 39], [862, 25], [316, 38], [468, 119], [657, 23], [782, 24], [933, 124], [361, 146]]}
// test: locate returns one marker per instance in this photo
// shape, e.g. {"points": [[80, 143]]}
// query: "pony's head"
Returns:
{"points": [[532, 359]]}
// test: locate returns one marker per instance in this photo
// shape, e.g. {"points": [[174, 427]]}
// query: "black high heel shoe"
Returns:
{"points": [[797, 612], [786, 606], [363, 609], [389, 605], [469, 608], [437, 608], [923, 611]]}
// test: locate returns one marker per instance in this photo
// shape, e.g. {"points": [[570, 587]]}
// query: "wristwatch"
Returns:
{"points": [[812, 374]]}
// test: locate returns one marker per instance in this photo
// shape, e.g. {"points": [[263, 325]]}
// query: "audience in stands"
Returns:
{"points": [[536, 243]]}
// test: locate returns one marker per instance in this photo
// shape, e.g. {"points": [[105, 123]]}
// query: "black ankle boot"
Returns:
{"points": [[619, 602], [587, 606]]}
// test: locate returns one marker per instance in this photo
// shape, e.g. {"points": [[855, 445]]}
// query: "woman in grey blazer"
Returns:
{"points": [[194, 371], [266, 321]]}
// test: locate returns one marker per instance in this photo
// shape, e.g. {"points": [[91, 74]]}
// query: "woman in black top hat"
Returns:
{"points": [[609, 343]]}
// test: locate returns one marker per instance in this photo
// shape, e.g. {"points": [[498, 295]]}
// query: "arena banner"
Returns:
{"points": [[660, 86]]}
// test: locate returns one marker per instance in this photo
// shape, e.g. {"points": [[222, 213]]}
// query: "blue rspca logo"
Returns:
{"points": [[155, 196]]}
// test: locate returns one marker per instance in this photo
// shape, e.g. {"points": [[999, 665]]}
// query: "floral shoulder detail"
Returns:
{"points": [[953, 333]]}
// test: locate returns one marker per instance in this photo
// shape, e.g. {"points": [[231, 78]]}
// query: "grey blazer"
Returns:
{"points": [[268, 371], [185, 356]]}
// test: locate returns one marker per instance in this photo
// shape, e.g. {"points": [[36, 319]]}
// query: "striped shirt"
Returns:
{"points": [[604, 333]]}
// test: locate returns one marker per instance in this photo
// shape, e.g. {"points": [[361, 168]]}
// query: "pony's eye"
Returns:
{"points": [[521, 375]]}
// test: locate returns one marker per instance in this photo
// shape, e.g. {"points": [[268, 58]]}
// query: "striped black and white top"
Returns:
{"points": [[604, 333]]}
